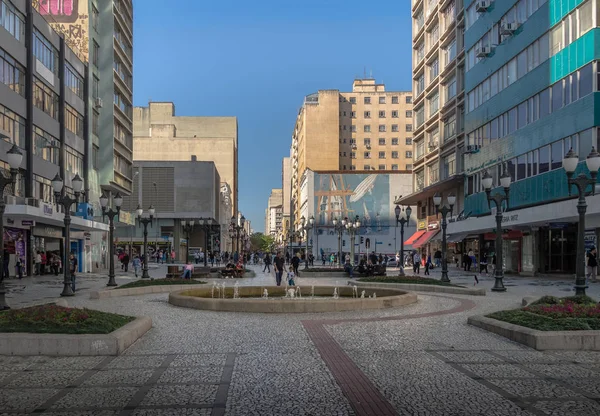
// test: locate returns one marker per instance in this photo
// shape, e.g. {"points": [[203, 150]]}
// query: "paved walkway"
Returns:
{"points": [[422, 359]]}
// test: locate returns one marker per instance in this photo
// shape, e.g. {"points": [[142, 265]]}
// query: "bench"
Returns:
{"points": [[231, 273], [375, 270], [174, 272]]}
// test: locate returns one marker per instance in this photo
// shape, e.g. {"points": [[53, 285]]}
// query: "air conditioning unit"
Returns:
{"points": [[98, 102], [483, 52], [482, 6], [508, 28], [472, 148]]}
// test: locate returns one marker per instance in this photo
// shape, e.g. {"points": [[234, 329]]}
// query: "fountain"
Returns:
{"points": [[354, 291], [236, 290], [362, 294], [335, 293], [265, 294], [223, 289], [212, 290], [298, 292], [312, 292], [291, 293]]}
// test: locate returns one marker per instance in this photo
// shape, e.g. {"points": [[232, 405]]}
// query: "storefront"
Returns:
{"points": [[511, 249], [15, 246], [47, 239]]}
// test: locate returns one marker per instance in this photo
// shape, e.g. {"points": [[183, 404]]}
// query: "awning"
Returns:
{"points": [[425, 238], [457, 238], [414, 237]]}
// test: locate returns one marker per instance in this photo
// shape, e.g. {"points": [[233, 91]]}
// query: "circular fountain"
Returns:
{"points": [[289, 299]]}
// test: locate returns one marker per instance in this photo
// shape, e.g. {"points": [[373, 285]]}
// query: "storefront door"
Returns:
{"points": [[560, 248]]}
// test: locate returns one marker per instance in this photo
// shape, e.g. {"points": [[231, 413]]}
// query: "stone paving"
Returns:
{"points": [[422, 359]]}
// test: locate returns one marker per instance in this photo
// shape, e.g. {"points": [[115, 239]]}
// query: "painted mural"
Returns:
{"points": [[348, 195]]}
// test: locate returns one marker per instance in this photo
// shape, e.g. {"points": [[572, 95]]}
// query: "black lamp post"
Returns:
{"points": [[237, 228], [498, 199], [67, 202], [15, 157], [111, 214], [402, 218], [307, 226], [207, 226], [188, 228], [444, 210], [352, 228], [340, 226], [145, 222], [581, 182]]}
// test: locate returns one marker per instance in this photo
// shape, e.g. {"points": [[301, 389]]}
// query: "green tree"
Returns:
{"points": [[259, 241]]}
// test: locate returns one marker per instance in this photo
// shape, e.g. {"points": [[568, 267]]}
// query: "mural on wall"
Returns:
{"points": [[348, 195]]}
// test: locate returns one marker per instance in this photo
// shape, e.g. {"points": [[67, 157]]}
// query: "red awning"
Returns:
{"points": [[425, 238], [414, 237]]}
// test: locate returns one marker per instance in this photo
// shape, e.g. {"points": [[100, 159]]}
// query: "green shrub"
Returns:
{"points": [[547, 300], [580, 300]]}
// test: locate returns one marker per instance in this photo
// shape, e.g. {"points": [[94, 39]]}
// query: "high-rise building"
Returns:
{"points": [[367, 129], [274, 213], [286, 184], [44, 100], [531, 82], [439, 107]]}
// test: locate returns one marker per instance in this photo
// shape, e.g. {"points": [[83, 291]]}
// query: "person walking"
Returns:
{"points": [[296, 263], [5, 261], [44, 262], [73, 270], [136, 265], [38, 263], [279, 266], [287, 257], [437, 256], [416, 262], [592, 265], [470, 260], [188, 270], [197, 257], [126, 261], [427, 265], [267, 263]]}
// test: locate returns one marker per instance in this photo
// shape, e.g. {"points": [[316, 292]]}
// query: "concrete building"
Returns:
{"points": [[274, 213], [43, 110], [366, 129], [531, 85], [286, 183], [439, 107], [180, 192], [161, 135]]}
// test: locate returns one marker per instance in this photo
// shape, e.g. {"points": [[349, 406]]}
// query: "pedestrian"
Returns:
{"points": [[416, 262], [592, 265], [197, 257], [483, 263], [348, 266], [295, 261], [437, 256], [471, 256], [279, 266], [287, 257], [126, 261], [427, 265], [188, 270], [267, 263], [173, 256], [5, 261], [44, 262], [38, 263], [73, 270], [136, 265], [212, 259]]}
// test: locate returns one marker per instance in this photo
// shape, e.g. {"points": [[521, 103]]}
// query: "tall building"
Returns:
{"points": [[439, 107], [161, 135], [44, 100], [274, 213], [531, 85], [363, 130], [286, 185]]}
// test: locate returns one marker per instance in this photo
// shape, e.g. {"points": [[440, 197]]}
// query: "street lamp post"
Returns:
{"points": [[145, 222], [67, 202], [339, 226], [306, 226], [353, 228], [444, 210], [498, 199], [237, 228], [111, 214], [581, 182], [206, 225], [188, 228], [402, 218], [15, 157]]}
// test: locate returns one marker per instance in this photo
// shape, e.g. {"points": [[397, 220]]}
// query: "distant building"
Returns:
{"points": [[274, 213]]}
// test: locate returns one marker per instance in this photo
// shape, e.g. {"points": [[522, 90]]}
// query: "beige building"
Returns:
{"points": [[274, 213], [363, 130], [158, 134], [286, 181]]}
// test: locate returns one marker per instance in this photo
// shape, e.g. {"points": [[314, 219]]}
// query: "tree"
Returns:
{"points": [[259, 241]]}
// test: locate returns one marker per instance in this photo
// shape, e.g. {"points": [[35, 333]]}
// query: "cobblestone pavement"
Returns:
{"points": [[421, 359]]}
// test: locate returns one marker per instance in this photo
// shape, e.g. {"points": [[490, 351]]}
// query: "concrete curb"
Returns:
{"points": [[136, 291], [26, 344], [337, 275], [424, 288], [540, 340]]}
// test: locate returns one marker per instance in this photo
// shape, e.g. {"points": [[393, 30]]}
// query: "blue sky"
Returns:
{"points": [[257, 60]]}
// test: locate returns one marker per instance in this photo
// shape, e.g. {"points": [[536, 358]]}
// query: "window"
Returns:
{"points": [[352, 114], [73, 161], [434, 173], [557, 96], [95, 18], [419, 180], [45, 52], [394, 141], [382, 128], [42, 189], [12, 74], [95, 54], [394, 167], [449, 166], [557, 155], [45, 145], [73, 121], [544, 155], [381, 155], [585, 17], [382, 114], [408, 99], [394, 99], [367, 128], [352, 155], [12, 20], [434, 35], [353, 129], [352, 100], [367, 142], [73, 81], [521, 167], [394, 114], [123, 105], [409, 127], [408, 154], [352, 167], [409, 141], [420, 116], [394, 155], [450, 52], [409, 166], [381, 100], [95, 87], [367, 167], [13, 127], [382, 167], [382, 142], [451, 88], [45, 98], [95, 123], [434, 70], [420, 84], [433, 138], [367, 100], [122, 135], [585, 80], [420, 149], [394, 128], [367, 114], [419, 53], [434, 104]]}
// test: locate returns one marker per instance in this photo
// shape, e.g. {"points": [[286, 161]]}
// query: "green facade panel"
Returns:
{"points": [[574, 56], [558, 9]]}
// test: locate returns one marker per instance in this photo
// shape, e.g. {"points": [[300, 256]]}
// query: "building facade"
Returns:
{"points": [[274, 213], [180, 192], [44, 111], [161, 135], [286, 183], [439, 109], [531, 88], [366, 129]]}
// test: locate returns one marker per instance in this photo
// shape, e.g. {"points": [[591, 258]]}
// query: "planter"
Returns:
{"points": [[424, 288]]}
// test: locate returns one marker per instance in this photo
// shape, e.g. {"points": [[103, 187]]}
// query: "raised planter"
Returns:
{"points": [[540, 340], [136, 291], [424, 288], [71, 344], [333, 273]]}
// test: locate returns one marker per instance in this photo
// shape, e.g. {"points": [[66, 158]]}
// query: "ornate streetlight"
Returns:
{"points": [[15, 157], [207, 226], [498, 199], [111, 214], [307, 226], [188, 228], [444, 210], [145, 221], [402, 218], [339, 226], [353, 228], [237, 228], [581, 182]]}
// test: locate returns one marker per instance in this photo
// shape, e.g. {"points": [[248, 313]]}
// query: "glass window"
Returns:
{"points": [[557, 96], [45, 98], [381, 155], [585, 144], [494, 129], [544, 47], [394, 155], [12, 74], [545, 102], [521, 167], [13, 127], [535, 162], [395, 141], [544, 164], [585, 80], [585, 17], [382, 142], [12, 20], [45, 52], [522, 64], [73, 81], [522, 115], [557, 155], [512, 120], [556, 39], [408, 154], [512, 71], [394, 99]]}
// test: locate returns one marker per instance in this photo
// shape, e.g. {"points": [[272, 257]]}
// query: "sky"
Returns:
{"points": [[257, 60]]}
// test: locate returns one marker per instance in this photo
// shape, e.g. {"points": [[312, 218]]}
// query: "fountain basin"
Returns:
{"points": [[250, 299]]}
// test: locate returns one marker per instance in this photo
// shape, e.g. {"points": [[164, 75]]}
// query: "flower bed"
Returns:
{"points": [[573, 313], [320, 269], [407, 280], [159, 282], [53, 319]]}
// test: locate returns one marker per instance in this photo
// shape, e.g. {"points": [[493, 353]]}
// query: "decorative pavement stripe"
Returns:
{"points": [[62, 393], [362, 394], [223, 390]]}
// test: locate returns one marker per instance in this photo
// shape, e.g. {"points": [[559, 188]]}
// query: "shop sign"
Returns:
{"points": [[47, 209], [590, 240], [433, 226], [422, 225], [510, 218], [47, 231], [10, 221], [125, 217], [27, 223]]}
